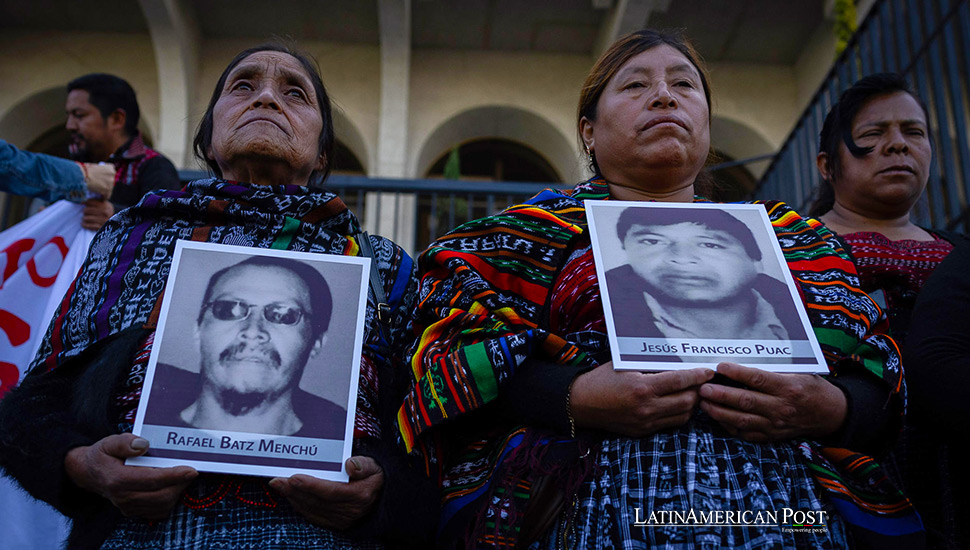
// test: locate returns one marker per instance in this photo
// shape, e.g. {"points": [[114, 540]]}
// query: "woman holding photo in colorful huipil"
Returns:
{"points": [[544, 445]]}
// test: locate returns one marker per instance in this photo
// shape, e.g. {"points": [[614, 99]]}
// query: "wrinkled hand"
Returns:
{"points": [[332, 503], [774, 406], [96, 213], [100, 178], [635, 403], [137, 491]]}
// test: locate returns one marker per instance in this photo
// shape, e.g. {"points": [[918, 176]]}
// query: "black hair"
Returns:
{"points": [[321, 300], [717, 220], [837, 128], [109, 93], [325, 144]]}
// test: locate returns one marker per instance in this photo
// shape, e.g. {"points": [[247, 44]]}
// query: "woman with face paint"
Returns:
{"points": [[875, 154]]}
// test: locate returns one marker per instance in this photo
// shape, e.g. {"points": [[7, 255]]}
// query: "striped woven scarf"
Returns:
{"points": [[121, 283]]}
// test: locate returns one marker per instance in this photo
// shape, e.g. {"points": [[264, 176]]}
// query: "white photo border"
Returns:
{"points": [[240, 439], [808, 348]]}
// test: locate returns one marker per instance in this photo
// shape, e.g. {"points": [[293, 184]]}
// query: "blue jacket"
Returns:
{"points": [[39, 175]]}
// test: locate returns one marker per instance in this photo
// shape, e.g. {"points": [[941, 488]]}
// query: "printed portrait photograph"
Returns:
{"points": [[255, 362], [695, 285]]}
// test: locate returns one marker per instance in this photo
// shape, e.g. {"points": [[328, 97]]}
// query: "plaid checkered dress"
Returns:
{"points": [[231, 512]]}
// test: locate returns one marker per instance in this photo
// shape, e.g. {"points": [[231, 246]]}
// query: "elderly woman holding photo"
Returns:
{"points": [[65, 431], [875, 154], [543, 443]]}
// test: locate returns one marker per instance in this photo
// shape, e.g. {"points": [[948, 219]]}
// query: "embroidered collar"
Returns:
{"points": [[598, 188], [133, 149]]}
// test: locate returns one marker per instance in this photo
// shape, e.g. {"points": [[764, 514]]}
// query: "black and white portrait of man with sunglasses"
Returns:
{"points": [[259, 323], [255, 365]]}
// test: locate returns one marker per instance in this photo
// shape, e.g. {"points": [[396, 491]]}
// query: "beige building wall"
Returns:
{"points": [[451, 96], [446, 84], [754, 106], [526, 95], [814, 64], [762, 97]]}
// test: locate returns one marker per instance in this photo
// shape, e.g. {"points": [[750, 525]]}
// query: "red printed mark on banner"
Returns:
{"points": [[13, 253], [17, 330], [32, 266], [9, 376]]}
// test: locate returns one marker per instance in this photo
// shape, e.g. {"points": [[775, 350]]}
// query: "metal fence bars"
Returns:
{"points": [[928, 42]]}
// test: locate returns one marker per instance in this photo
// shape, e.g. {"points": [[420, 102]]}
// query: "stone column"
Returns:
{"points": [[175, 39], [393, 215]]}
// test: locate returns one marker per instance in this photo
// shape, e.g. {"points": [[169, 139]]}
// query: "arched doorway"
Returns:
{"points": [[500, 122], [54, 141], [489, 161], [733, 141], [351, 155], [350, 158], [345, 162], [497, 159], [36, 123]]}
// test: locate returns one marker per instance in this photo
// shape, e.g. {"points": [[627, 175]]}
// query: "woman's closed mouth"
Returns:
{"points": [[898, 168], [264, 119], [664, 120]]}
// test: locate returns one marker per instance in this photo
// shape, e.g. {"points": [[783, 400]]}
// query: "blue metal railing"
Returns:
{"points": [[928, 41]]}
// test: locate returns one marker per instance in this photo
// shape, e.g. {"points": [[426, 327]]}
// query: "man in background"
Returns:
{"points": [[102, 118]]}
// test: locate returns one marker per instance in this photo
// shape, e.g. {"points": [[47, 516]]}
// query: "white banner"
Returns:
{"points": [[39, 258]]}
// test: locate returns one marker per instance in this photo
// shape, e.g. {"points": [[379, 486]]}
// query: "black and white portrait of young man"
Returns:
{"points": [[696, 284], [697, 274], [260, 344]]}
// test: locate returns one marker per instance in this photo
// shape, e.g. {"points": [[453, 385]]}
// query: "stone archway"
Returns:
{"points": [[504, 122], [740, 141], [498, 159], [734, 141], [33, 116]]}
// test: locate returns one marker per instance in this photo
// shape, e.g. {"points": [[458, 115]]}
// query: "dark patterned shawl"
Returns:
{"points": [[121, 283]]}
